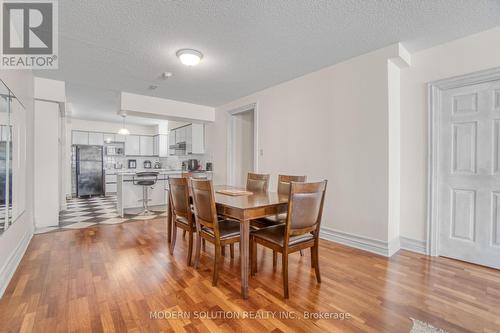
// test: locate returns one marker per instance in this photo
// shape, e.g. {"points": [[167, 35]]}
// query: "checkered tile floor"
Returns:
{"points": [[86, 212]]}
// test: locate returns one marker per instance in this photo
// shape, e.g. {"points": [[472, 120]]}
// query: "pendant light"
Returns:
{"points": [[124, 130]]}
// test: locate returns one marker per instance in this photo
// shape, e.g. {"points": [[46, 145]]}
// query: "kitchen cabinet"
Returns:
{"points": [[96, 139], [108, 137], [195, 139], [133, 145], [146, 145], [119, 138], [156, 145], [163, 143], [80, 138], [171, 141]]}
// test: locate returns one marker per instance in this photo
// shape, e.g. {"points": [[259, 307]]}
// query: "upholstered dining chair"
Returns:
{"points": [[300, 231], [210, 227], [257, 182], [283, 189], [182, 214]]}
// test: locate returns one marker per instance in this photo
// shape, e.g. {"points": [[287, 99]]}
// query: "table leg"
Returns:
{"points": [[244, 255], [169, 221]]}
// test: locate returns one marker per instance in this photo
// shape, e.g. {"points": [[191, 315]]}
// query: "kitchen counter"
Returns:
{"points": [[129, 195]]}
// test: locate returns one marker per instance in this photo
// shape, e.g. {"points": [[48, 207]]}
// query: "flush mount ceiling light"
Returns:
{"points": [[189, 57], [123, 130]]}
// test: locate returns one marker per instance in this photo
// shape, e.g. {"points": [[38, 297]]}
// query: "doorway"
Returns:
{"points": [[465, 168], [241, 145]]}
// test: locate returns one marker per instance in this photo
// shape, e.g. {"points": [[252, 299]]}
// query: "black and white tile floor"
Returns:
{"points": [[85, 212]]}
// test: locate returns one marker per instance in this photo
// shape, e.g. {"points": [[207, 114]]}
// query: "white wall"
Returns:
{"points": [[15, 239], [47, 176], [466, 55], [331, 124]]}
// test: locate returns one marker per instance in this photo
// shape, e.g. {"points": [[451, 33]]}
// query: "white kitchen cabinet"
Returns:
{"points": [[171, 141], [163, 142], [133, 145], [108, 137], [80, 138], [195, 139], [156, 145], [96, 139], [146, 143], [120, 138]]}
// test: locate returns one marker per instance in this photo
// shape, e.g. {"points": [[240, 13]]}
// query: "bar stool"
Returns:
{"points": [[145, 179]]}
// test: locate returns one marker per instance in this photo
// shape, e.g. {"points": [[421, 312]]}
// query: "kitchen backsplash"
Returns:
{"points": [[171, 162]]}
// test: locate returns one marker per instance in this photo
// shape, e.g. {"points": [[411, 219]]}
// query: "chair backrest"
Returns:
{"points": [[194, 175], [284, 183], [305, 207], [257, 182], [204, 204], [179, 197]]}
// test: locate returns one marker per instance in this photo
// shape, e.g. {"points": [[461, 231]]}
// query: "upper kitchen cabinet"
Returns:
{"points": [[108, 137], [163, 142], [146, 143], [132, 145], [195, 139], [119, 138], [180, 134], [156, 145], [96, 139], [80, 138]]}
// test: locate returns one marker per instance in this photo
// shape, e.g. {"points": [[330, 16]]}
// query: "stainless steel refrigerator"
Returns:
{"points": [[89, 170]]}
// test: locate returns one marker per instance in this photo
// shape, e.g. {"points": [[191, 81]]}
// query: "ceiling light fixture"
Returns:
{"points": [[123, 130], [189, 57]]}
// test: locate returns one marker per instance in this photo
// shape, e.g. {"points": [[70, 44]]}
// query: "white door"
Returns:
{"points": [[469, 174]]}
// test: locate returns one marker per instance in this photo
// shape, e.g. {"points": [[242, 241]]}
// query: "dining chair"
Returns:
{"points": [[269, 221], [182, 214], [300, 231], [210, 227], [257, 182]]}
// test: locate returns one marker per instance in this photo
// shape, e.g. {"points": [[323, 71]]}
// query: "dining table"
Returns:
{"points": [[242, 208]]}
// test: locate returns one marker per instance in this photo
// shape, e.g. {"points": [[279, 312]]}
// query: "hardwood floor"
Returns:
{"points": [[110, 277]]}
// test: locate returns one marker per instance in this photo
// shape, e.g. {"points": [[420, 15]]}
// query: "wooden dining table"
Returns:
{"points": [[243, 208]]}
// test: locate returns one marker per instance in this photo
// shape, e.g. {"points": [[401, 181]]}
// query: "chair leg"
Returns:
{"points": [[217, 258], [204, 242], [284, 267], [301, 253], [184, 234], [231, 250], [275, 259], [223, 250], [316, 263], [190, 248], [174, 238], [312, 257], [197, 252]]}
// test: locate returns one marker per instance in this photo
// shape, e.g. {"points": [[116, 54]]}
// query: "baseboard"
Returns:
{"points": [[10, 266], [376, 246], [413, 245]]}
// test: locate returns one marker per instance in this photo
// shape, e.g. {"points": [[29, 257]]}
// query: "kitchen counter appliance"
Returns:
{"points": [[147, 164], [192, 164], [89, 170]]}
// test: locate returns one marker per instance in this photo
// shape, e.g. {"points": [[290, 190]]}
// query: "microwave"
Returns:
{"points": [[112, 150]]}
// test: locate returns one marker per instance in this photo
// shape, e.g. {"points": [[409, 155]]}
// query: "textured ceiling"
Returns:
{"points": [[117, 45]]}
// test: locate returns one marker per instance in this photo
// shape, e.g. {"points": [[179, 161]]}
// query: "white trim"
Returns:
{"points": [[360, 242], [434, 92], [413, 245], [249, 107], [13, 261]]}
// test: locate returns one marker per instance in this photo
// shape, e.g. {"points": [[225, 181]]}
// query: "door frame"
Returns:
{"points": [[434, 97], [230, 128]]}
